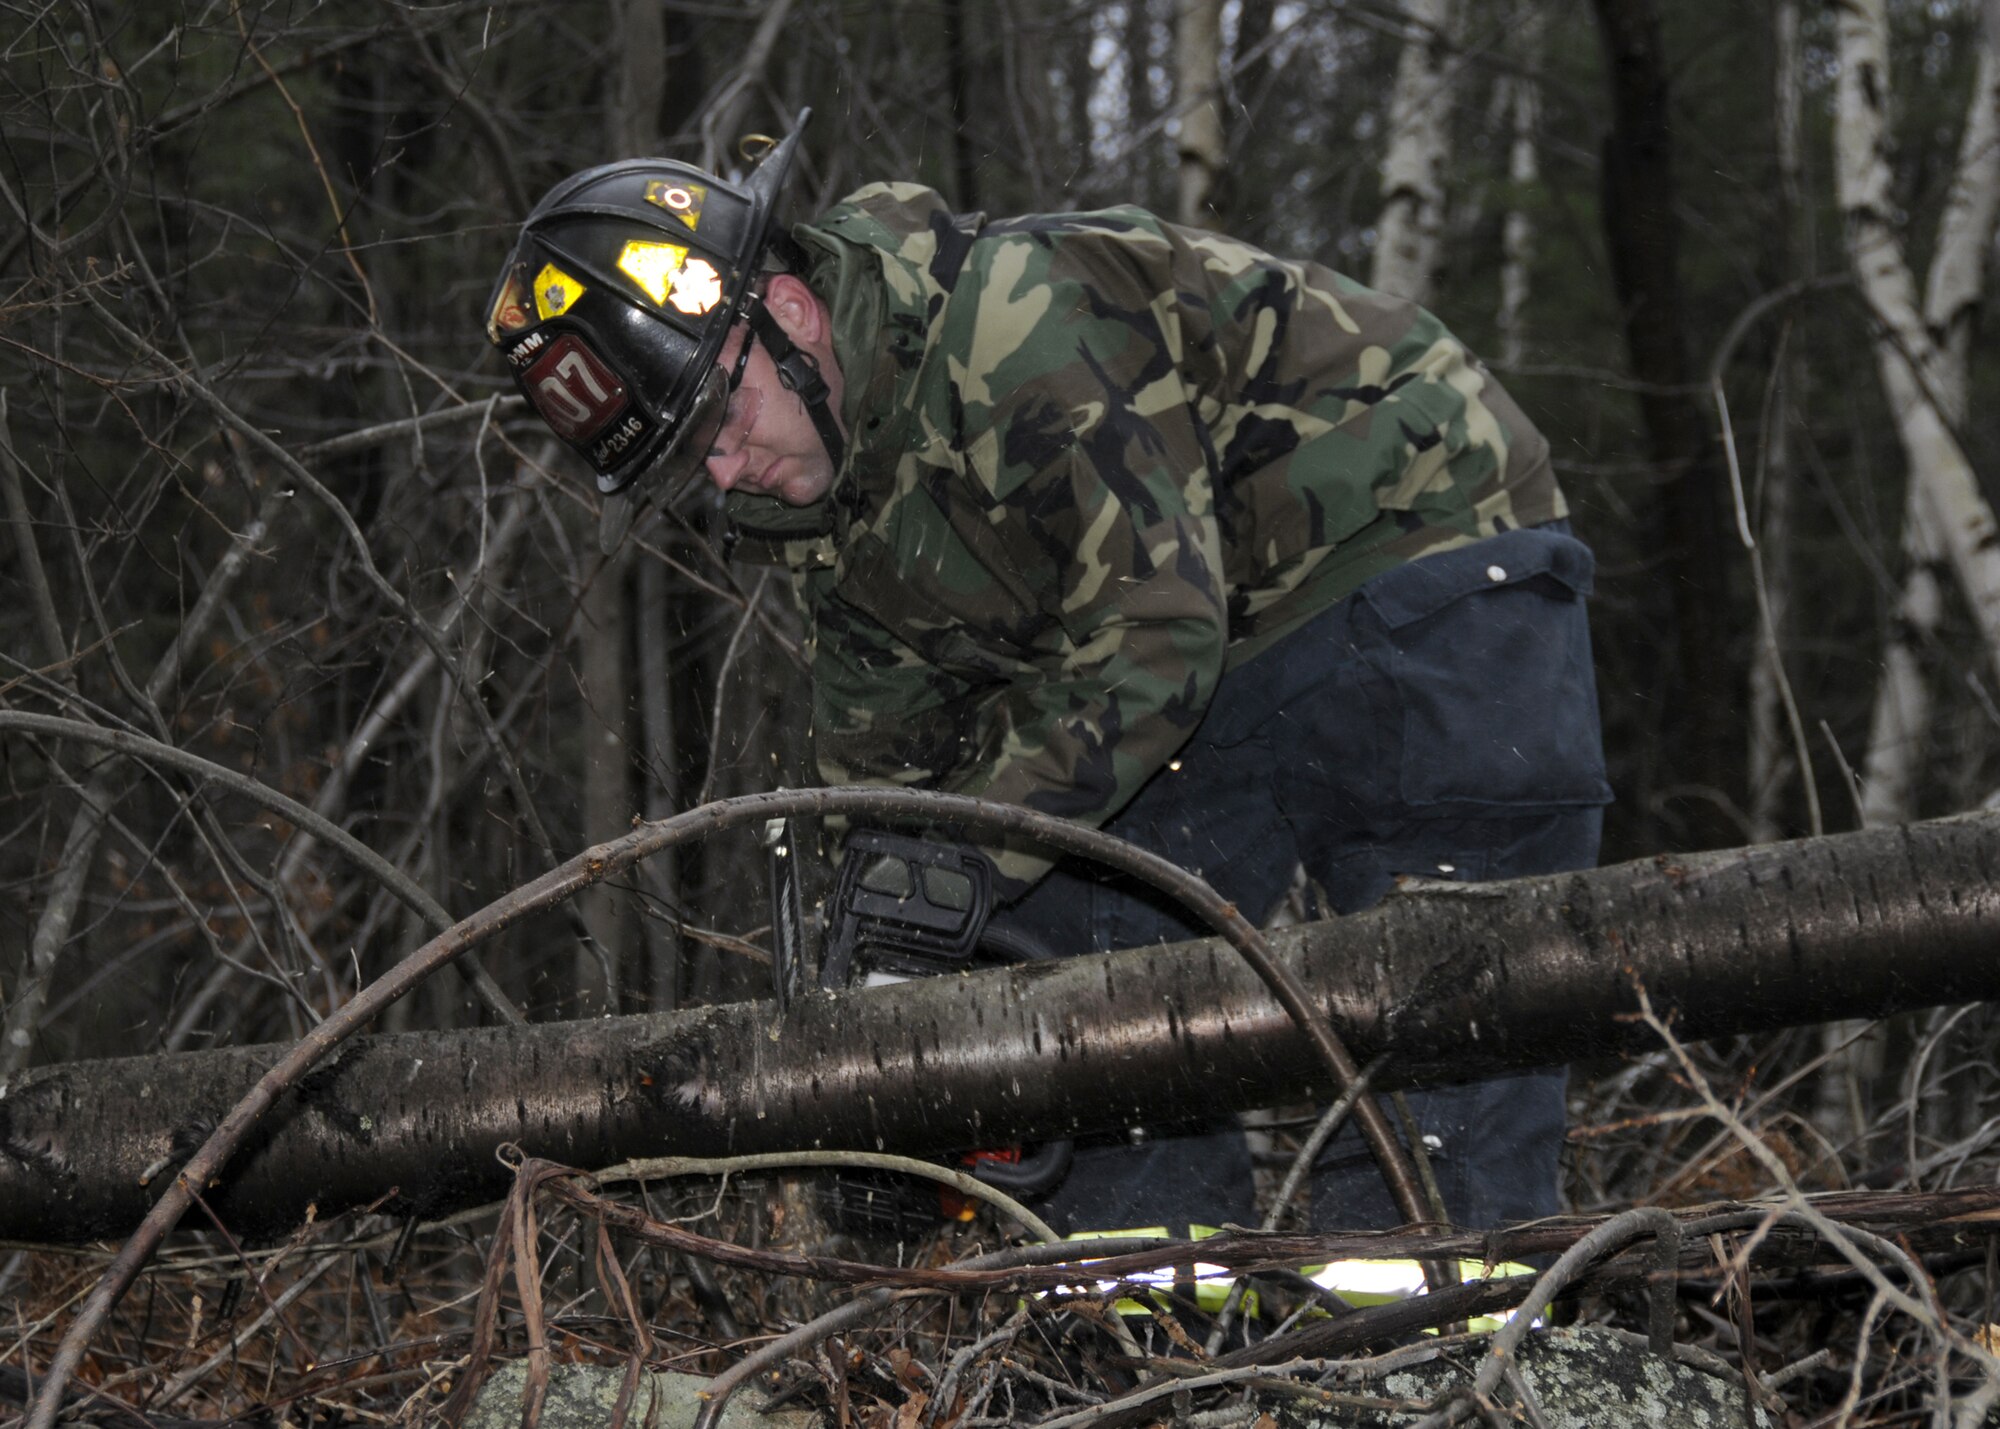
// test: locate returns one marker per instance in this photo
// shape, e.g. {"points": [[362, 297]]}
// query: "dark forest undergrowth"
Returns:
{"points": [[1856, 1282]]}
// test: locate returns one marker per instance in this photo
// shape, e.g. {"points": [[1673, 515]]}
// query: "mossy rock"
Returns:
{"points": [[1583, 1378], [582, 1397]]}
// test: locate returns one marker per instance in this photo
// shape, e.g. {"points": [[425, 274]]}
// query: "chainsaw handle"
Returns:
{"points": [[1034, 1173], [919, 905]]}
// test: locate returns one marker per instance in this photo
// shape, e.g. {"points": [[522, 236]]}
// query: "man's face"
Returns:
{"points": [[767, 444]]}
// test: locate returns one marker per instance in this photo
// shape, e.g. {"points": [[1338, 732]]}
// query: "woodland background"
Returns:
{"points": [[270, 500]]}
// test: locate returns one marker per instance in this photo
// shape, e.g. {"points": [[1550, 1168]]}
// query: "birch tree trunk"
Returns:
{"points": [[1901, 714], [1917, 372], [1454, 982], [1900, 717], [1198, 67], [1406, 245]]}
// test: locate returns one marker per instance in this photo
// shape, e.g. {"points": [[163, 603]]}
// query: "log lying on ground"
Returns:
{"points": [[1452, 981]]}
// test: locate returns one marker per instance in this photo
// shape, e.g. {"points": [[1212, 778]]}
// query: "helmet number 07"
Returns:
{"points": [[573, 390]]}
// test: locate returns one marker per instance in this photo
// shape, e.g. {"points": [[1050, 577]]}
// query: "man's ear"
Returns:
{"points": [[796, 307]]}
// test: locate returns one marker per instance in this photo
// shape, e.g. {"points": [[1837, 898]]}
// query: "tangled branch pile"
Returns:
{"points": [[1851, 1307]]}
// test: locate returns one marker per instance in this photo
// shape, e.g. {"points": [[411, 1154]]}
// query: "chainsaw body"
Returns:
{"points": [[902, 907]]}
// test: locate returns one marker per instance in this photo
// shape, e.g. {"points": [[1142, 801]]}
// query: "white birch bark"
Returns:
{"points": [[1198, 69], [1901, 714], [1956, 283], [1945, 517], [1406, 246]]}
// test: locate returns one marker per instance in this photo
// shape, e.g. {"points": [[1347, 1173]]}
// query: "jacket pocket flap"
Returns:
{"points": [[1412, 592]]}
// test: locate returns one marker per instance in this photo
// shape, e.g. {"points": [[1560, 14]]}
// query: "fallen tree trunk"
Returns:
{"points": [[1452, 981]]}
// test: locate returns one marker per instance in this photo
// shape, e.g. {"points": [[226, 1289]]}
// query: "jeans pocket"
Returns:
{"points": [[1488, 650]]}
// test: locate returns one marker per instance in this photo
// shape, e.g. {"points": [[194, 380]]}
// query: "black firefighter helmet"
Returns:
{"points": [[616, 302]]}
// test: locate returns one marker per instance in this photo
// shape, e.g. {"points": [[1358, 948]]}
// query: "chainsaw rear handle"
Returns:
{"points": [[1037, 1171], [905, 905]]}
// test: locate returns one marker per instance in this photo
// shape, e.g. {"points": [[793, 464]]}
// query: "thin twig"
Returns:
{"points": [[658, 1167], [154, 751]]}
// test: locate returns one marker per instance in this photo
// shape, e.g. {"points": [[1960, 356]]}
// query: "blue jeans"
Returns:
{"points": [[1440, 722]]}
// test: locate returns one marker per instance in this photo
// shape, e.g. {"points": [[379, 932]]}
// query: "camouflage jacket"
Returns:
{"points": [[1094, 461]]}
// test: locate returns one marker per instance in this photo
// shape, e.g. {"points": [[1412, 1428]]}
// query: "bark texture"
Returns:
{"points": [[1199, 144], [1454, 981], [1956, 520], [1641, 230], [1931, 411], [1412, 220]]}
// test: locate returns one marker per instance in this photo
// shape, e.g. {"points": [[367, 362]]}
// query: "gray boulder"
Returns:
{"points": [[582, 1397], [1582, 1378]]}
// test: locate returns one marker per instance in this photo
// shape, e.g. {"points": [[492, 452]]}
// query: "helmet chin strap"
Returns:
{"points": [[799, 373]]}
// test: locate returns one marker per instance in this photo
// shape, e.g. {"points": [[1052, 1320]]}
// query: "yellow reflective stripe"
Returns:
{"points": [[1358, 1282], [1379, 1282], [1210, 1285], [1395, 1279]]}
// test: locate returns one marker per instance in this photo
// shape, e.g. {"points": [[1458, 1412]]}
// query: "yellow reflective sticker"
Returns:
{"points": [[510, 307], [653, 266], [666, 274], [555, 291], [683, 201]]}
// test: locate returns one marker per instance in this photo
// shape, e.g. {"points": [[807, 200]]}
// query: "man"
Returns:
{"points": [[1131, 524]]}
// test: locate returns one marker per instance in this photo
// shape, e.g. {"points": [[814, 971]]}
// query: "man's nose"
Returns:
{"points": [[725, 469]]}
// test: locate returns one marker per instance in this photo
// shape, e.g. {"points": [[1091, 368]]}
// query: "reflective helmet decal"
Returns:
{"points": [[653, 266], [699, 288], [573, 389], [683, 201], [555, 291], [510, 306], [666, 274]]}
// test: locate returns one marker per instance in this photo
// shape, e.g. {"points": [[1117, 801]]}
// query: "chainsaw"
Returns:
{"points": [[902, 907]]}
